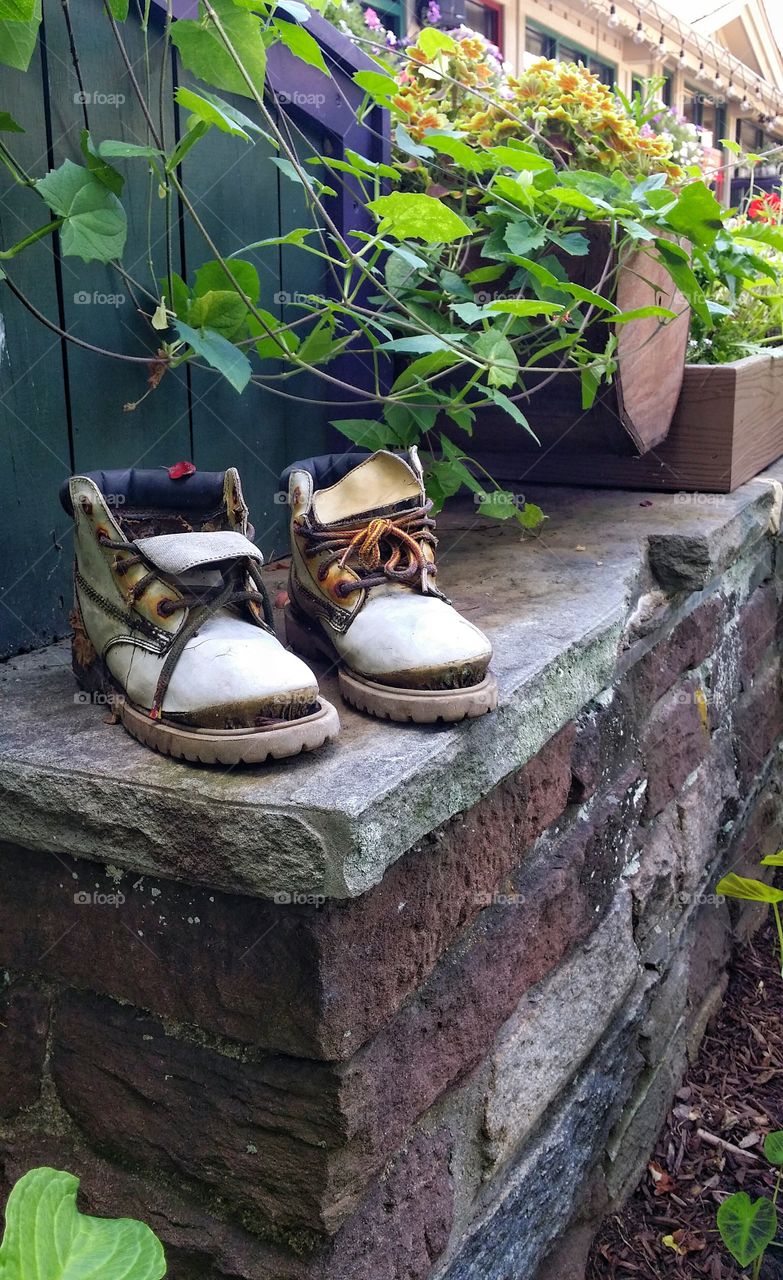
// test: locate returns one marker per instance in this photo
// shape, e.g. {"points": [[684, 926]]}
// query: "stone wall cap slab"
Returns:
{"points": [[555, 605]]}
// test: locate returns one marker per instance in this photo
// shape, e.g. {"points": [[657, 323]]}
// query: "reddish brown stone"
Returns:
{"points": [[675, 740], [24, 1025], [400, 1228], [308, 981], [757, 622], [260, 1133], [690, 642], [758, 721]]}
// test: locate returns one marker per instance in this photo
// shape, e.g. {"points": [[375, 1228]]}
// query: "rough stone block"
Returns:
{"points": [[687, 646], [304, 979], [675, 741], [757, 623], [758, 721], [605, 744], [522, 1219], [24, 1026], [535, 1056]]}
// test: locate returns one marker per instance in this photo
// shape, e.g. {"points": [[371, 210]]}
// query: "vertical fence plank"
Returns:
{"points": [[35, 455], [97, 301]]}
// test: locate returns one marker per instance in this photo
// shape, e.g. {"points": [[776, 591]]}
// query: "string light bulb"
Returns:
{"points": [[638, 36], [682, 60], [613, 20]]}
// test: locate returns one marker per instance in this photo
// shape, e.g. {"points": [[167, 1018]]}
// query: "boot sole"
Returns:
{"points": [[214, 746], [421, 706]]}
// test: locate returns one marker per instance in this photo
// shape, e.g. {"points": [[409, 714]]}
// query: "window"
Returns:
{"points": [[707, 113], [486, 18], [540, 43]]}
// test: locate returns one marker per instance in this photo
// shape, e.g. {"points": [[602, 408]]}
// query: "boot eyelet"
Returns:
{"points": [[165, 608]]}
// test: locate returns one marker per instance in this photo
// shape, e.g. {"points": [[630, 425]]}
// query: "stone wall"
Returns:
{"points": [[456, 1073]]}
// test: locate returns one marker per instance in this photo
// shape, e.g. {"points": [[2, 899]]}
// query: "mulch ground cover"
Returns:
{"points": [[711, 1145]]}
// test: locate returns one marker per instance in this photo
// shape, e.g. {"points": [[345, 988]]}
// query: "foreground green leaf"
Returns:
{"points": [[733, 886], [204, 52], [18, 40], [414, 216], [95, 226], [46, 1238], [773, 1147], [220, 354], [747, 1226]]}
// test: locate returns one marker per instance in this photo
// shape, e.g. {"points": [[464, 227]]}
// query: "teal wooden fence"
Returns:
{"points": [[61, 406]]}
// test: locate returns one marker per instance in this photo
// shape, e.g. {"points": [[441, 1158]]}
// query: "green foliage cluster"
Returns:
{"points": [[464, 295]]}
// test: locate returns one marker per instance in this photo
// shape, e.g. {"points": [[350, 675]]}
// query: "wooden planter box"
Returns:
{"points": [[727, 427]]}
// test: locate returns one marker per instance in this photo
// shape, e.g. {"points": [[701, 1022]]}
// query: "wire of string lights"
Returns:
{"points": [[646, 22]]}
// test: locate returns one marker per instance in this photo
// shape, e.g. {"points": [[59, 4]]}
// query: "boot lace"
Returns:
{"points": [[201, 605], [388, 550]]}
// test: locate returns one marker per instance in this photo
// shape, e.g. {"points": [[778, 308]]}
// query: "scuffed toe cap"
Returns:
{"points": [[416, 642]]}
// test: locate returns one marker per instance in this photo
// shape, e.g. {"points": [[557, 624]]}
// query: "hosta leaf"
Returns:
{"points": [[412, 215], [203, 52], [46, 1238], [221, 355], [747, 1226], [733, 886], [773, 860], [18, 40], [773, 1147]]}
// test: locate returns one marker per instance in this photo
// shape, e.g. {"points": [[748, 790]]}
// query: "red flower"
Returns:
{"points": [[765, 208], [181, 469]]}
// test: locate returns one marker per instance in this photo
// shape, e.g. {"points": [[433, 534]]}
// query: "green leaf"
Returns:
{"points": [[522, 236], [18, 40], [268, 347], [219, 353], [676, 262], [212, 110], [525, 306], [431, 41], [221, 310], [17, 10], [733, 886], [95, 225], [367, 432], [573, 242], [126, 150], [520, 159], [119, 9], [697, 215], [380, 87], [512, 409], [747, 1227], [773, 860], [411, 215], [642, 313], [211, 276], [773, 1147], [418, 345], [100, 168], [302, 45], [579, 292], [467, 157], [494, 347], [573, 199], [8, 124], [425, 367], [46, 1238], [319, 346], [203, 52]]}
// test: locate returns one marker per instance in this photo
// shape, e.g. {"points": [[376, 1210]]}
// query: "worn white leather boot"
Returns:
{"points": [[172, 622], [362, 591]]}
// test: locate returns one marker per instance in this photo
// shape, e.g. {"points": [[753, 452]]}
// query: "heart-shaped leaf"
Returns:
{"points": [[747, 1226], [773, 1147], [411, 215], [95, 225], [46, 1238], [732, 886], [203, 51]]}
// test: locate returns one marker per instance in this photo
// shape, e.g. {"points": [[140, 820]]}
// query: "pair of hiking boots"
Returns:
{"points": [[172, 621]]}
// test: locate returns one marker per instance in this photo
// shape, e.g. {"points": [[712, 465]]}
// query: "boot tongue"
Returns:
{"points": [[384, 480]]}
